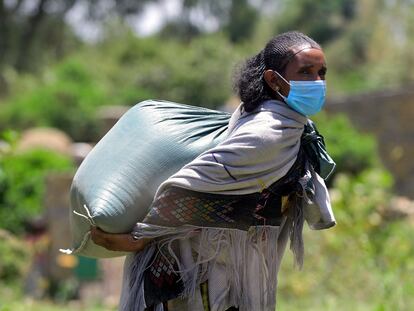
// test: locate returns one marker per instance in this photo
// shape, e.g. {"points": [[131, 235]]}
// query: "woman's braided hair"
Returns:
{"points": [[249, 83]]}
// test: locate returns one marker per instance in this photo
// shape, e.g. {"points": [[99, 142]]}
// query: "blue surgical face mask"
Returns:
{"points": [[306, 97]]}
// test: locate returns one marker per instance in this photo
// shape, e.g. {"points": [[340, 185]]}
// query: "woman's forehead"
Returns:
{"points": [[309, 56]]}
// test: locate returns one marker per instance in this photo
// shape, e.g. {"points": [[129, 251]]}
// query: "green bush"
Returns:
{"points": [[14, 257], [22, 184], [352, 151], [122, 70], [197, 72], [365, 256], [66, 98]]}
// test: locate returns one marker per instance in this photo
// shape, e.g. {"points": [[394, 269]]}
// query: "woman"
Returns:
{"points": [[221, 223]]}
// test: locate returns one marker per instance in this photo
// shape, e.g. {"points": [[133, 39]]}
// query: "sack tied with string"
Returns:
{"points": [[115, 184]]}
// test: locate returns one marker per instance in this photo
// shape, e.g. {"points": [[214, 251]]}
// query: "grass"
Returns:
{"points": [[11, 299]]}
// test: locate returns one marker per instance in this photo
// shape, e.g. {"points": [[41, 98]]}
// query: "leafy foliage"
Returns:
{"points": [[14, 256], [365, 256], [122, 70], [352, 151], [22, 185], [323, 22], [66, 96]]}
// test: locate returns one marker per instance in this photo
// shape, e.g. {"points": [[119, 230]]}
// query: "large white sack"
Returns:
{"points": [[114, 186]]}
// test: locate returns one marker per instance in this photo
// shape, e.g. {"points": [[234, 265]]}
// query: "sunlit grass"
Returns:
{"points": [[11, 299]]}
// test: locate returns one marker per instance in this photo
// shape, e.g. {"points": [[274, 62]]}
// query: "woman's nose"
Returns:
{"points": [[318, 76]]}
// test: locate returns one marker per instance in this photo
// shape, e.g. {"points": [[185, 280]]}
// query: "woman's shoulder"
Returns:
{"points": [[270, 116], [281, 111], [265, 132]]}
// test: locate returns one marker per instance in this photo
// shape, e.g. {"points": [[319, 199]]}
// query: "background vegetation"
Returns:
{"points": [[54, 73]]}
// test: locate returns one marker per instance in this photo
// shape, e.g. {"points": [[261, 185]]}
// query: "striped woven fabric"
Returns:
{"points": [[176, 207]]}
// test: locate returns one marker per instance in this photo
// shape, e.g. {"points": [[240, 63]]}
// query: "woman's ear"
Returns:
{"points": [[272, 80]]}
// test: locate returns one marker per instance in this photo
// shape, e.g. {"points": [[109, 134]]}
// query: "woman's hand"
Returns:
{"points": [[118, 242]]}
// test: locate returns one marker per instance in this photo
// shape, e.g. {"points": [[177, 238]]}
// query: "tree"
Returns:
{"points": [[237, 18], [32, 30], [24, 24], [321, 20]]}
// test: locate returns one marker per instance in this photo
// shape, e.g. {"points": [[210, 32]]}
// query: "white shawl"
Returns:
{"points": [[260, 148], [241, 266]]}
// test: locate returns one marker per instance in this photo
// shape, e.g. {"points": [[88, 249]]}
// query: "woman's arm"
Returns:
{"points": [[118, 242]]}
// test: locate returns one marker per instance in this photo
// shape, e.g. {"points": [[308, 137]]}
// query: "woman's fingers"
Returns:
{"points": [[118, 242], [100, 238]]}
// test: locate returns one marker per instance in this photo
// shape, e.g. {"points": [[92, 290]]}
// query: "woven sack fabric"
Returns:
{"points": [[115, 184]]}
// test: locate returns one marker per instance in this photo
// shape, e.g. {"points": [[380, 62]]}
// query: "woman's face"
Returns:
{"points": [[307, 65]]}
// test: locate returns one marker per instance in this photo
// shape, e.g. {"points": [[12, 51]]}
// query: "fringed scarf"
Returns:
{"points": [[226, 217]]}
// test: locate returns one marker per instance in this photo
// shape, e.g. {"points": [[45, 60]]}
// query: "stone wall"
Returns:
{"points": [[389, 115]]}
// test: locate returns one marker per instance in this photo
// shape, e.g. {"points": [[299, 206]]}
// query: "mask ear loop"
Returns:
{"points": [[277, 88]]}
